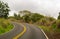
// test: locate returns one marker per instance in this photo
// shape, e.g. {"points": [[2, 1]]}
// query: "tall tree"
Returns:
{"points": [[4, 10], [26, 18], [35, 17], [59, 16], [25, 15], [15, 15], [24, 12], [18, 17]]}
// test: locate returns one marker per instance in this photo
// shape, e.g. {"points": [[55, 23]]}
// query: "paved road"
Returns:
{"points": [[32, 33], [17, 29]]}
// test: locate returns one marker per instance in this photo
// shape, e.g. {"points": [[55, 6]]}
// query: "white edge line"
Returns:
{"points": [[44, 34]]}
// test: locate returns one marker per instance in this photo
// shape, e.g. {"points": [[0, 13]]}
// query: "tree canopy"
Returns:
{"points": [[4, 10], [59, 16], [35, 17]]}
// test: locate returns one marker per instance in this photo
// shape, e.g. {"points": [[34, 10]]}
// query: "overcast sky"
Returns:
{"points": [[46, 7]]}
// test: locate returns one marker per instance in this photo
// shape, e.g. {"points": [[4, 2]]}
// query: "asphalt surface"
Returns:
{"points": [[32, 32], [15, 31]]}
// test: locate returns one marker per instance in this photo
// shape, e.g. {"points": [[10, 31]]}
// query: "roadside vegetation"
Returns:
{"points": [[5, 25], [50, 25]]}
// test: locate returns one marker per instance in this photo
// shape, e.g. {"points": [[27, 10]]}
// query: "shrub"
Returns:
{"points": [[59, 16], [45, 22], [4, 23], [58, 23]]}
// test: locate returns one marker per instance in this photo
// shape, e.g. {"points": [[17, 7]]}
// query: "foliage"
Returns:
{"points": [[25, 15], [24, 12], [46, 21], [35, 17], [4, 10], [59, 16], [51, 18], [17, 16], [26, 18], [43, 21], [3, 30], [45, 28], [10, 17], [58, 23], [5, 25]]}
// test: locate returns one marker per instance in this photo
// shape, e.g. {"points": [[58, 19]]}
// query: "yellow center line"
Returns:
{"points": [[19, 35]]}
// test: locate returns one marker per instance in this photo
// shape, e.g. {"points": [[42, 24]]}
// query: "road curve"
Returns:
{"points": [[32, 32], [15, 31]]}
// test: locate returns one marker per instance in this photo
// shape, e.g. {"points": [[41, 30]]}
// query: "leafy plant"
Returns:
{"points": [[5, 25], [58, 23], [4, 10]]}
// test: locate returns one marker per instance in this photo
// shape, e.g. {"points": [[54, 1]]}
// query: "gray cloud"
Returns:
{"points": [[46, 7]]}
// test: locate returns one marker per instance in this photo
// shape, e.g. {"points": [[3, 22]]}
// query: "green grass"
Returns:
{"points": [[45, 28], [51, 29], [5, 26], [3, 30]]}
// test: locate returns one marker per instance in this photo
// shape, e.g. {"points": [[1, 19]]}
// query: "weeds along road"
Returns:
{"points": [[32, 32], [15, 31]]}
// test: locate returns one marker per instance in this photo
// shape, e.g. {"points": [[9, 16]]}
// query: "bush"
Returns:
{"points": [[58, 23], [35, 17], [4, 23], [44, 22]]}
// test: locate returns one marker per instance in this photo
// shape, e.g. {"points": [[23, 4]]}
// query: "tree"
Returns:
{"points": [[25, 15], [15, 15], [24, 12], [18, 17], [4, 10], [43, 21], [59, 16], [29, 16], [35, 17], [26, 18]]}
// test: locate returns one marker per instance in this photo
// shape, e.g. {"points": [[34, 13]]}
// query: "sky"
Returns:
{"points": [[45, 7]]}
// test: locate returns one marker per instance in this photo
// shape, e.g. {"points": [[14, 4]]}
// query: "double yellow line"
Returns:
{"points": [[19, 35]]}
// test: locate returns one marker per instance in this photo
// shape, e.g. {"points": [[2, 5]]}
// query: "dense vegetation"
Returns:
{"points": [[4, 10], [28, 16], [5, 25], [50, 25]]}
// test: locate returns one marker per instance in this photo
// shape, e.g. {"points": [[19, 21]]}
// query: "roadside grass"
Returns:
{"points": [[5, 26], [51, 31], [52, 28], [45, 28]]}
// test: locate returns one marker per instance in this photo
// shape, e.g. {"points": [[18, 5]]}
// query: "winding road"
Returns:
{"points": [[32, 32], [16, 30]]}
